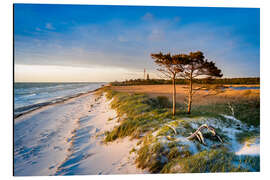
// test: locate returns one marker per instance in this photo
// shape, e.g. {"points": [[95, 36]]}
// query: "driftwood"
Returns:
{"points": [[171, 128], [198, 134]]}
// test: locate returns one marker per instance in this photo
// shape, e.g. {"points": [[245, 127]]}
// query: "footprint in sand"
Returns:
{"points": [[122, 165], [57, 148], [51, 167]]}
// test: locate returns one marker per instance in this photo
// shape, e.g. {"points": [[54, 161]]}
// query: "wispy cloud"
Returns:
{"points": [[49, 26], [156, 35], [119, 43]]}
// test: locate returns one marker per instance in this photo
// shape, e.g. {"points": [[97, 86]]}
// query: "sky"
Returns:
{"points": [[87, 43]]}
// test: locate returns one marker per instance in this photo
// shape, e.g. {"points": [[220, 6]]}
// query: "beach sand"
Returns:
{"points": [[66, 139]]}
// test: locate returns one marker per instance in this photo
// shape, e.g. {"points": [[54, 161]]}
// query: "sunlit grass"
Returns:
{"points": [[141, 116]]}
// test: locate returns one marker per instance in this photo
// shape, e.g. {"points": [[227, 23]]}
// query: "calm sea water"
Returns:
{"points": [[29, 96], [245, 88]]}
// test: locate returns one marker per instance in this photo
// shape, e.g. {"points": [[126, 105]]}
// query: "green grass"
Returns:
{"points": [[247, 136], [217, 160], [141, 116], [247, 111], [155, 155]]}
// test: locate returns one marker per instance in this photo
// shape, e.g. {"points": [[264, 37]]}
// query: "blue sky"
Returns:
{"points": [[107, 43]]}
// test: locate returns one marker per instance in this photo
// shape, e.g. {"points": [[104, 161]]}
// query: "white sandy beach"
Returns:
{"points": [[65, 139]]}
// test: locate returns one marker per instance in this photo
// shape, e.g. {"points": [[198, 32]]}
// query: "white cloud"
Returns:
{"points": [[130, 46], [156, 35], [49, 26]]}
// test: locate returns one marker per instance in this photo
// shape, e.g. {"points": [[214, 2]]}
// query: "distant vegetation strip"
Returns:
{"points": [[223, 81]]}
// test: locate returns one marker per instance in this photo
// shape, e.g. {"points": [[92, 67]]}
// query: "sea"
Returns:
{"points": [[31, 96]]}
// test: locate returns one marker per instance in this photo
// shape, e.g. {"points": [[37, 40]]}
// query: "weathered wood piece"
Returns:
{"points": [[171, 128], [199, 135]]}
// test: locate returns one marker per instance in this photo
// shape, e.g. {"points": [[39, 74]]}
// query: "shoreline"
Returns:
{"points": [[49, 103], [38, 106], [67, 138], [78, 136]]}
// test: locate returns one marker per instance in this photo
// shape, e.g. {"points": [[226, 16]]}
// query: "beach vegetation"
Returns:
{"points": [[247, 136], [186, 66], [203, 81], [162, 145], [216, 160], [168, 66], [110, 119]]}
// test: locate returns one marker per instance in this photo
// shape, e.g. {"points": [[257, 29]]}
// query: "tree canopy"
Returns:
{"points": [[186, 66]]}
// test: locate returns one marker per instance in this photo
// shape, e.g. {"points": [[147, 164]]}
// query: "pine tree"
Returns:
{"points": [[187, 66]]}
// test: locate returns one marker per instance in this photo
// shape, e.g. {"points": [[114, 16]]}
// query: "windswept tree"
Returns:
{"points": [[169, 67], [187, 66], [195, 65]]}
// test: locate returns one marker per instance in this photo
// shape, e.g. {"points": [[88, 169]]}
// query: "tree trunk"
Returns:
{"points": [[189, 96], [174, 95]]}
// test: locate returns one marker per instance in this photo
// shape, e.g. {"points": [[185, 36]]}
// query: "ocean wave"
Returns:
{"points": [[28, 108]]}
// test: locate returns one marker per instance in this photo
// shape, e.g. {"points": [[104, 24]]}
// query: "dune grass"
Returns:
{"points": [[160, 150], [216, 160], [247, 136], [247, 111], [141, 114]]}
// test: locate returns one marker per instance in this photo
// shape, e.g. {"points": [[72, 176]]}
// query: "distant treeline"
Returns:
{"points": [[183, 81]]}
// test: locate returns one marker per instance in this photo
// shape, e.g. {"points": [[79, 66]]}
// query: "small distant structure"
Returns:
{"points": [[144, 71], [147, 78]]}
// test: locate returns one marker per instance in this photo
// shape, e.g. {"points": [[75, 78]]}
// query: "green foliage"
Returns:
{"points": [[186, 66], [139, 112], [217, 160], [248, 112], [163, 102], [221, 81], [141, 116], [253, 162], [155, 156], [247, 136]]}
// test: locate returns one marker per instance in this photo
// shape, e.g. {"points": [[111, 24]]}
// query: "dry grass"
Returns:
{"points": [[159, 150], [201, 97]]}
